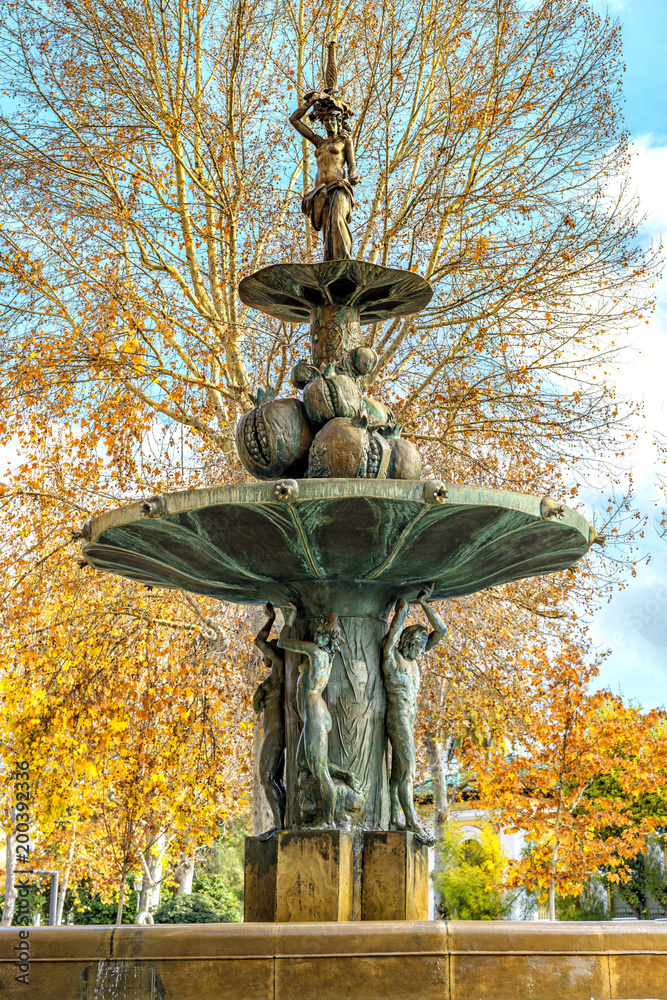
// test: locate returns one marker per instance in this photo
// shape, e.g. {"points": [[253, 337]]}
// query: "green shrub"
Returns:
{"points": [[223, 897], [191, 908], [87, 907], [468, 883], [38, 901], [588, 905], [226, 861], [82, 905]]}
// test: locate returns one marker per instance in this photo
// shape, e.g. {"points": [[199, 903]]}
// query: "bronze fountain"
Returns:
{"points": [[339, 531]]}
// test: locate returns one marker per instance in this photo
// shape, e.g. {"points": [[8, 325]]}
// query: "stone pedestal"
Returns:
{"points": [[301, 876], [394, 884], [316, 875], [259, 880]]}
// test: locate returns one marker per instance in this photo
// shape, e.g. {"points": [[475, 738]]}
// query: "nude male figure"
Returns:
{"points": [[400, 649], [270, 699]]}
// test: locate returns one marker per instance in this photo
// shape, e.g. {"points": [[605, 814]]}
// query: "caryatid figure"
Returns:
{"points": [[400, 649], [314, 671], [329, 205], [270, 699]]}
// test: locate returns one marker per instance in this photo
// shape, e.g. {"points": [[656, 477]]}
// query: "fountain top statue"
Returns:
{"points": [[329, 205]]}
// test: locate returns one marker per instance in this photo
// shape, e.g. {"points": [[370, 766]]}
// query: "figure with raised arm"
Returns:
{"points": [[400, 649], [269, 699], [314, 671], [329, 205]]}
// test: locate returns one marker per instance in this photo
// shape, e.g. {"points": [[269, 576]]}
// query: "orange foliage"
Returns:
{"points": [[128, 705], [548, 775]]}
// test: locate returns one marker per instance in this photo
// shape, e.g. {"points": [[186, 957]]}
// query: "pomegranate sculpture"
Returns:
{"points": [[380, 417], [331, 395], [405, 461], [346, 449], [336, 433], [273, 439]]}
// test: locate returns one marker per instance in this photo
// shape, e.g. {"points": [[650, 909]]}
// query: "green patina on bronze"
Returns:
{"points": [[374, 293], [352, 547], [342, 545]]}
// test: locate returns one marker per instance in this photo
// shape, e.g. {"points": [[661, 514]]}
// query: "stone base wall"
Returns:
{"points": [[299, 876], [399, 960]]}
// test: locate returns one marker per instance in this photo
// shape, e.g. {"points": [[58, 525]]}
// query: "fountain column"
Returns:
{"points": [[356, 699]]}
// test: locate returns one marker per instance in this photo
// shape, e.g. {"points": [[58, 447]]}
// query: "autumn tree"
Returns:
{"points": [[644, 874], [148, 166], [124, 702], [644, 880], [548, 780]]}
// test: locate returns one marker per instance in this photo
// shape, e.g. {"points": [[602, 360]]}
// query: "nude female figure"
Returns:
{"points": [[314, 671], [270, 699], [329, 205], [400, 649]]}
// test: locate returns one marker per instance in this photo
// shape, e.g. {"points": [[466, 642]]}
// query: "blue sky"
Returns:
{"points": [[634, 624], [645, 49]]}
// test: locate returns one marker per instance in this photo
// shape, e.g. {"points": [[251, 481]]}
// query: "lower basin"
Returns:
{"points": [[351, 546], [346, 545]]}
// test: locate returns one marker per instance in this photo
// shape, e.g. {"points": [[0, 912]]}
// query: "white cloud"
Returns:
{"points": [[634, 624], [634, 628], [648, 171]]}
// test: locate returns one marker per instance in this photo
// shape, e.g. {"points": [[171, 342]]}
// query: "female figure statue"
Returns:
{"points": [[314, 671], [329, 205]]}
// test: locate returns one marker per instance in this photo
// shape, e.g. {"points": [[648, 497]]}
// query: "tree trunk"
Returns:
{"points": [[146, 894], [184, 876], [121, 898], [143, 894], [64, 879], [152, 864], [155, 893], [435, 754], [554, 849], [10, 882]]}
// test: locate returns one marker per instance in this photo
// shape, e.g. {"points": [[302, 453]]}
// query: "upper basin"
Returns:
{"points": [[292, 291]]}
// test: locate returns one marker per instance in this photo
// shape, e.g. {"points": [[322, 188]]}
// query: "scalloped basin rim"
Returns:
{"points": [[320, 489], [292, 290]]}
